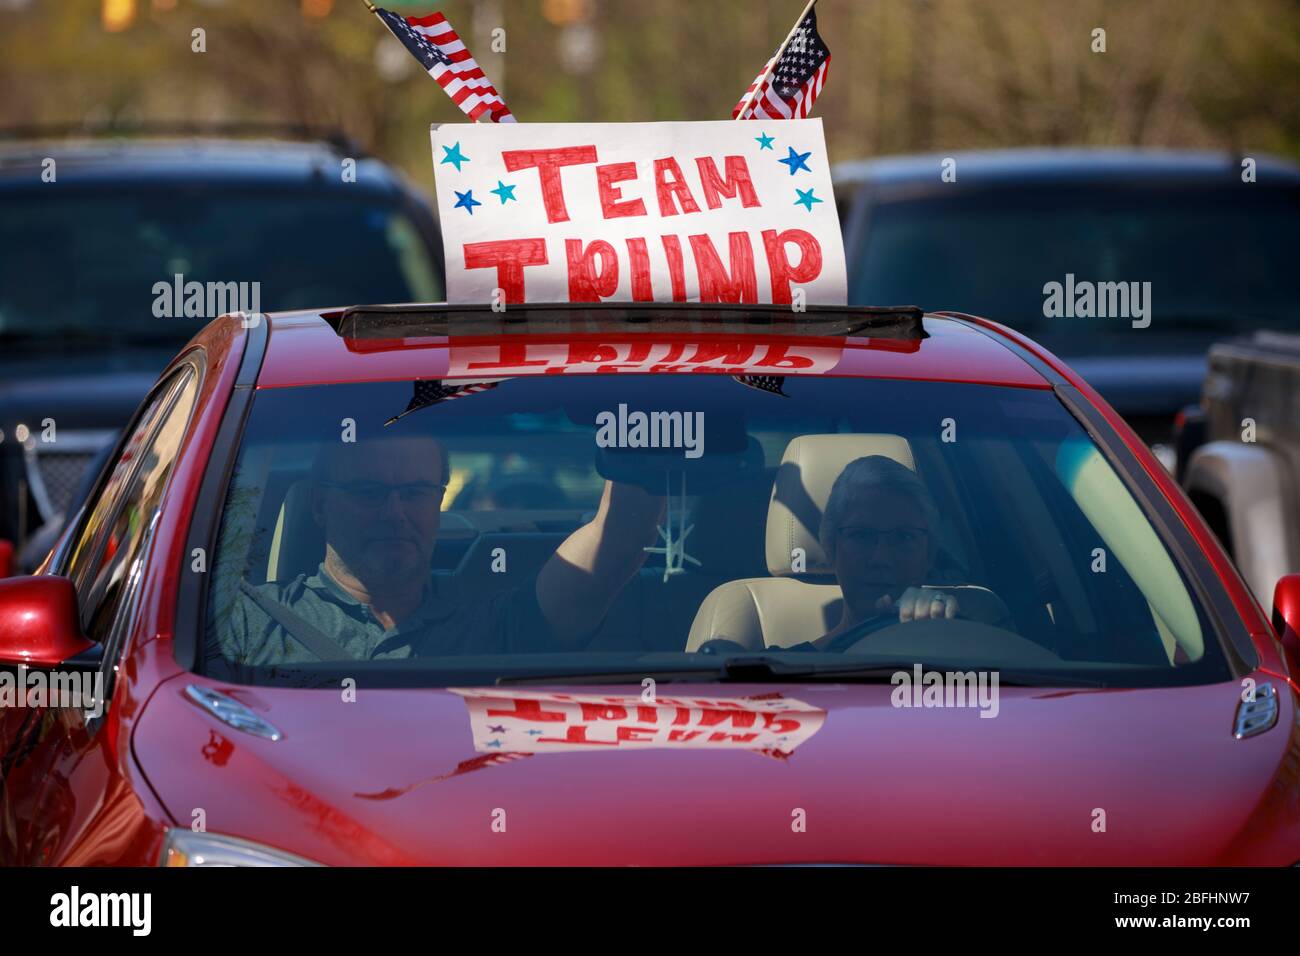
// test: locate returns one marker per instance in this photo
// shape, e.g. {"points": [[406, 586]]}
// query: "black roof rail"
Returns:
{"points": [[442, 319], [336, 139]]}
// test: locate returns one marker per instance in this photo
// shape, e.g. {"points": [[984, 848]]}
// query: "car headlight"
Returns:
{"points": [[187, 848]]}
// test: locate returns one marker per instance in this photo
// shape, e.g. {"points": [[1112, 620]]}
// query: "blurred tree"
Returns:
{"points": [[906, 75]]}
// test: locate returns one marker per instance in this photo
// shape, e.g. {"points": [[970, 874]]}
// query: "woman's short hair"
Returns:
{"points": [[862, 476]]}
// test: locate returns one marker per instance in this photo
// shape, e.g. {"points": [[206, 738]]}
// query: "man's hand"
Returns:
{"points": [[919, 604], [578, 584]]}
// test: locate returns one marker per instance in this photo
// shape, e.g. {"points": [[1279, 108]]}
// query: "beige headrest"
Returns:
{"points": [[809, 467]]}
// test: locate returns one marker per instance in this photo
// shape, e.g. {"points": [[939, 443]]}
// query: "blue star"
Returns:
{"points": [[454, 156], [796, 161], [496, 728], [764, 141], [532, 733], [494, 743], [504, 191], [806, 199], [468, 202]]}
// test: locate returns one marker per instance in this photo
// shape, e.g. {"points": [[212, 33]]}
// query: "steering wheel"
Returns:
{"points": [[722, 645]]}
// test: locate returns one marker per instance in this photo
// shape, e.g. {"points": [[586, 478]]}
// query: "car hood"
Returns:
{"points": [[809, 773]]}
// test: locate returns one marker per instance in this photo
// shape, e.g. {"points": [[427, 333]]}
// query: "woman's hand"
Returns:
{"points": [[919, 604]]}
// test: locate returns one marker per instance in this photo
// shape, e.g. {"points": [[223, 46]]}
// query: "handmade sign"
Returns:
{"points": [[645, 212], [523, 721]]}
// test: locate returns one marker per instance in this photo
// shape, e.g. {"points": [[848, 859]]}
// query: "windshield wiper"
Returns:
{"points": [[766, 668]]}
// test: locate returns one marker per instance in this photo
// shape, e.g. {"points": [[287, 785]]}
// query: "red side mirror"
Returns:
{"points": [[1286, 612], [40, 625]]}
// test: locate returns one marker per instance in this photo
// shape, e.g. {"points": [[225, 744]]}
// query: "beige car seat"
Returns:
{"points": [[792, 606]]}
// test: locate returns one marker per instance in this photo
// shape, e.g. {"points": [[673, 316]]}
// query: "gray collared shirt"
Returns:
{"points": [[503, 623]]}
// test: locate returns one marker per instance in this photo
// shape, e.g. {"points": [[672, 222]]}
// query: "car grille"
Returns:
{"points": [[54, 470]]}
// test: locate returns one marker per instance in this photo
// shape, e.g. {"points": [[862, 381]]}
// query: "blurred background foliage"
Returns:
{"points": [[906, 75]]}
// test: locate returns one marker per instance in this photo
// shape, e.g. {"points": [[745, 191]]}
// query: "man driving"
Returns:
{"points": [[379, 502]]}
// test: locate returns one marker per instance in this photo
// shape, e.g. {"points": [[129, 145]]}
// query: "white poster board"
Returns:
{"points": [[523, 721], [691, 212]]}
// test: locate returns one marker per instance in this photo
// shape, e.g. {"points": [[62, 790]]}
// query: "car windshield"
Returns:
{"points": [[511, 529], [1218, 259], [84, 268]]}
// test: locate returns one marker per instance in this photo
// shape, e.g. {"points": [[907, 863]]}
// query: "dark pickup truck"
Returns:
{"points": [[113, 252], [1209, 238]]}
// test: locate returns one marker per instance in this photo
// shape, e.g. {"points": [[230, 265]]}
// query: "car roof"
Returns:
{"points": [[188, 159], [1075, 165], [303, 348]]}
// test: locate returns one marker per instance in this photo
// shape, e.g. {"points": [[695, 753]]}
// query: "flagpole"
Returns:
{"points": [[758, 84]]}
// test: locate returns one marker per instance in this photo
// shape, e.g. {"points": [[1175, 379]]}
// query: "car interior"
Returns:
{"points": [[757, 575]]}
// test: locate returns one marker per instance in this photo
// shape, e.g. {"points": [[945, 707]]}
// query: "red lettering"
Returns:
{"points": [[510, 355], [647, 715], [610, 195], [510, 256], [738, 718], [683, 734], [779, 725], [776, 357], [737, 180], [586, 283], [667, 189], [603, 712], [631, 733], [548, 163], [732, 353], [527, 710], [640, 261], [716, 285], [583, 353], [779, 266], [676, 273], [577, 734], [738, 738]]}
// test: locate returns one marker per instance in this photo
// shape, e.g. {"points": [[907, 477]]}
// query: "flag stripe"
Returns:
{"points": [[447, 60]]}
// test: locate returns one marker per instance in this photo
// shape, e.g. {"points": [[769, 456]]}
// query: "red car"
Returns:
{"points": [[639, 584]]}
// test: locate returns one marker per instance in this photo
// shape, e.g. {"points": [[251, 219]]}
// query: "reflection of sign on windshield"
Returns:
{"points": [[519, 721], [730, 357]]}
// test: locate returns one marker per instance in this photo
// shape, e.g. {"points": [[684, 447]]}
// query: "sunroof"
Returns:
{"points": [[417, 321]]}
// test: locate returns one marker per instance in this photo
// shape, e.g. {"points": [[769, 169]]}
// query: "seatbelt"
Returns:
{"points": [[304, 632]]}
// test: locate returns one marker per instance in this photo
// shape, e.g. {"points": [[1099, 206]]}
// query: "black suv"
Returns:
{"points": [[113, 252]]}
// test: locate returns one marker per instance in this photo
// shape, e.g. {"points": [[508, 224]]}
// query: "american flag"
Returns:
{"points": [[788, 90], [432, 392], [764, 383], [435, 44]]}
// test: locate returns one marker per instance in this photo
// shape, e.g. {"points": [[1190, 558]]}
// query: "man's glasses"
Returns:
{"points": [[896, 539], [373, 494]]}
